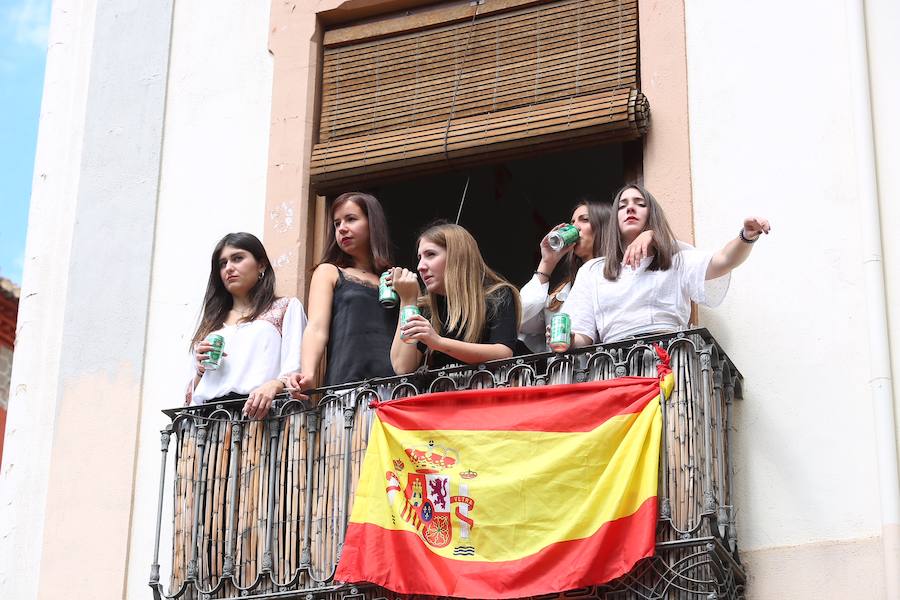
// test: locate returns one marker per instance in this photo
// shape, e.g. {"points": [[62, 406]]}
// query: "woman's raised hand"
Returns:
{"points": [[755, 226], [406, 284], [638, 250], [419, 328]]}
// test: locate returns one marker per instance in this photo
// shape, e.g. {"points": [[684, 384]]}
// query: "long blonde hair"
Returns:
{"points": [[469, 307]]}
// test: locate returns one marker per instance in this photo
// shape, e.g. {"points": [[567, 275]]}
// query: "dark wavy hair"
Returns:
{"points": [[218, 301], [599, 214], [665, 245], [379, 240]]}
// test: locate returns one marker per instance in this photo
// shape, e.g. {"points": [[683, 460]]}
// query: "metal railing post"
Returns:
{"points": [[193, 570], [349, 414], [709, 497], [230, 532], [165, 438], [312, 427]]}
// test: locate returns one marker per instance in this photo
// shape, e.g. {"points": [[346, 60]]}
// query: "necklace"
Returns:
{"points": [[241, 313], [363, 271]]}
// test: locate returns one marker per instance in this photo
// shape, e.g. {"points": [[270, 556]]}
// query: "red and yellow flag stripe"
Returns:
{"points": [[508, 492]]}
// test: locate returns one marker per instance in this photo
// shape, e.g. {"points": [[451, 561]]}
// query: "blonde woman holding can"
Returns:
{"points": [[471, 312], [262, 333]]}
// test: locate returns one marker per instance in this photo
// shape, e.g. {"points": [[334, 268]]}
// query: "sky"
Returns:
{"points": [[23, 50]]}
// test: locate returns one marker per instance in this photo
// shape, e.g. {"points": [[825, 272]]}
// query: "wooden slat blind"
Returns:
{"points": [[500, 85]]}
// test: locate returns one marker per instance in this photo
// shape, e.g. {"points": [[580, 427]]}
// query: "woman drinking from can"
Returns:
{"points": [[261, 332], [473, 312]]}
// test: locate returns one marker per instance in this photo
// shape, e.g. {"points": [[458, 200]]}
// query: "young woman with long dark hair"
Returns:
{"points": [[262, 332], [549, 287], [609, 302], [473, 311], [345, 317]]}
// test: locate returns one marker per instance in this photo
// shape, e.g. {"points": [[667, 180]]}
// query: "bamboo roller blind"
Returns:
{"points": [[560, 74]]}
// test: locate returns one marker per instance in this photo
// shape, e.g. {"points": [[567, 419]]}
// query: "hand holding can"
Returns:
{"points": [[564, 236], [387, 296], [560, 332], [405, 313], [211, 363]]}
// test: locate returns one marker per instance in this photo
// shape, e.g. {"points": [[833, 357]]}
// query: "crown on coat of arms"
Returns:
{"points": [[431, 458]]}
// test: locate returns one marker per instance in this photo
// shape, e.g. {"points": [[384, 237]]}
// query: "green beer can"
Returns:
{"points": [[386, 294], [562, 237], [405, 313], [560, 332], [215, 355]]}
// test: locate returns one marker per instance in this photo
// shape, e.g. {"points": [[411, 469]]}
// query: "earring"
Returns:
{"points": [[261, 273]]}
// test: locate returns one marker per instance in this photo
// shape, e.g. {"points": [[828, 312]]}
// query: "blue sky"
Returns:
{"points": [[23, 50]]}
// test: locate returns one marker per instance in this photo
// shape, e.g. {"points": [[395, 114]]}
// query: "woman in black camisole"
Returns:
{"points": [[345, 316]]}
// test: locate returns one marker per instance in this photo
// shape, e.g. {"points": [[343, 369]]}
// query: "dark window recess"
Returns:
{"points": [[508, 206]]}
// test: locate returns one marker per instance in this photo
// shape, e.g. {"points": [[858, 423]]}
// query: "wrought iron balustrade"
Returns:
{"points": [[259, 508]]}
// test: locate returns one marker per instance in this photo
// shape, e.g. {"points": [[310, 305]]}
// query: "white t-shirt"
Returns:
{"points": [[536, 314], [258, 351], [641, 301]]}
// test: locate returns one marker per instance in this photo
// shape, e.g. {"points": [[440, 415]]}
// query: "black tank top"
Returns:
{"points": [[359, 344]]}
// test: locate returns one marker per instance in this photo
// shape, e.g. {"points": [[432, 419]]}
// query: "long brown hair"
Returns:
{"points": [[379, 241], [469, 306], [665, 245], [599, 214], [218, 301]]}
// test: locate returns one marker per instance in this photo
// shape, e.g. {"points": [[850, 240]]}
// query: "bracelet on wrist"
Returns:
{"points": [[543, 274], [745, 239]]}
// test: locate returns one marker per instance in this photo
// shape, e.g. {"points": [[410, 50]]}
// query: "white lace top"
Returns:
{"points": [[258, 351]]}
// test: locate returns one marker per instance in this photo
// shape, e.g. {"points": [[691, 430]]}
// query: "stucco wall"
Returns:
{"points": [[770, 135], [34, 390], [212, 182]]}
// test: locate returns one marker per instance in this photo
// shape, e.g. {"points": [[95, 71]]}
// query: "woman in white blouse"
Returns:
{"points": [[548, 288], [262, 332], [617, 296]]}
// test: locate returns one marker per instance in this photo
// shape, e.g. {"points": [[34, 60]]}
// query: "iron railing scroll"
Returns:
{"points": [[259, 508]]}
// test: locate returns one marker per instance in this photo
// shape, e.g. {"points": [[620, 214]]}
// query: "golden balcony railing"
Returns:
{"points": [[258, 509]]}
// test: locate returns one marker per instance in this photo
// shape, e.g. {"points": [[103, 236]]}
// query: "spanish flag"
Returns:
{"points": [[508, 493]]}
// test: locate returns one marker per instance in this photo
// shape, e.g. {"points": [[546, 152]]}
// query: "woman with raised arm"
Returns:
{"points": [[262, 332], [345, 316], [609, 302], [473, 311]]}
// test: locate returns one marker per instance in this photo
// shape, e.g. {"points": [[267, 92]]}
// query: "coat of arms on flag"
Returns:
{"points": [[426, 500], [488, 493]]}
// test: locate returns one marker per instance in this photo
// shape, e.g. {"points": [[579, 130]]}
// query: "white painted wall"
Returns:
{"points": [[33, 388], [883, 23], [771, 135], [212, 182]]}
